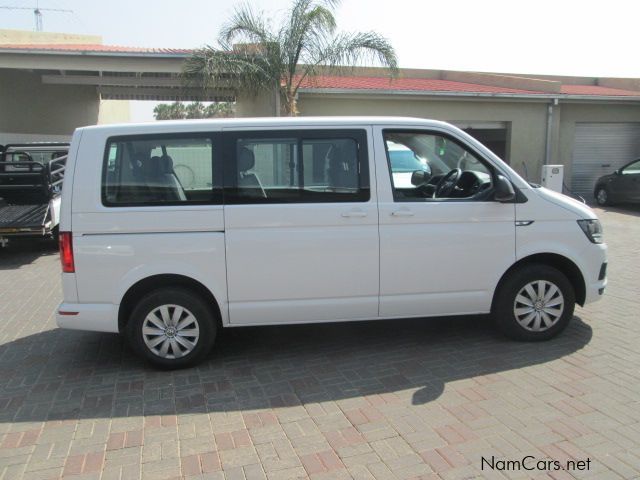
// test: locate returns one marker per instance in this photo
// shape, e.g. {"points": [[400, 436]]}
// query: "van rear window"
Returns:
{"points": [[160, 170]]}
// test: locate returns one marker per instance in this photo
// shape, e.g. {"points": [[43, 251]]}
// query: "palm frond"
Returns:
{"points": [[307, 21], [356, 49], [245, 25], [347, 51], [211, 68]]}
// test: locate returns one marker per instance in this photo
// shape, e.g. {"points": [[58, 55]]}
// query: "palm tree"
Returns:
{"points": [[220, 110], [169, 111], [180, 111], [194, 110], [306, 44]]}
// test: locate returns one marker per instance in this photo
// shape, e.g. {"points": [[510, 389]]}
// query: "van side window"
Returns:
{"points": [[299, 169], [429, 166], [159, 170]]}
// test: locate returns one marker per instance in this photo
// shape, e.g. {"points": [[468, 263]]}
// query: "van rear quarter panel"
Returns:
{"points": [[115, 247]]}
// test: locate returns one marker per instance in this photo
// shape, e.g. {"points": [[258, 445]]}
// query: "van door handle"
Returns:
{"points": [[354, 213], [402, 213]]}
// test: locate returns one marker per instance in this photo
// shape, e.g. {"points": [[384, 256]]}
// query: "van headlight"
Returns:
{"points": [[592, 229]]}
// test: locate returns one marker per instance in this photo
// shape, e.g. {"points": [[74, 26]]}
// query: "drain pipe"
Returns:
{"points": [[547, 151], [277, 102]]}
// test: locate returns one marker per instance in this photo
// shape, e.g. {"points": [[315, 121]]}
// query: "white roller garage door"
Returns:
{"points": [[599, 149]]}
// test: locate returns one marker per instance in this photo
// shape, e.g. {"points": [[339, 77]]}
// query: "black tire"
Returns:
{"points": [[504, 303], [202, 313], [602, 197]]}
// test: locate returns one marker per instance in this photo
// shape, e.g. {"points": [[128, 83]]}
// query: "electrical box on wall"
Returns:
{"points": [[553, 177]]}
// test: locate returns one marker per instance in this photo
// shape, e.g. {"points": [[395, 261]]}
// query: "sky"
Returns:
{"points": [[561, 37]]}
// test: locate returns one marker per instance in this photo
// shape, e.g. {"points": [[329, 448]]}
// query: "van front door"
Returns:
{"points": [[301, 226], [444, 241]]}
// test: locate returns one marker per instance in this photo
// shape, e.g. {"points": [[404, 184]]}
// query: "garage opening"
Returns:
{"points": [[494, 135], [600, 149]]}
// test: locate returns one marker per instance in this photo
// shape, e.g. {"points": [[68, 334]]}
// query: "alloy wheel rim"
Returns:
{"points": [[170, 331], [602, 196], [538, 305]]}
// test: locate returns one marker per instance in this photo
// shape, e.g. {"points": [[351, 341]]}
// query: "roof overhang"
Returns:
{"points": [[125, 62], [130, 73], [116, 75], [387, 94]]}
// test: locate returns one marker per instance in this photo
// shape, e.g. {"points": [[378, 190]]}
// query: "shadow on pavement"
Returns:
{"points": [[58, 375], [23, 251]]}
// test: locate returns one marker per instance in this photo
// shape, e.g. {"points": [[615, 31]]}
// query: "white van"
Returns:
{"points": [[173, 230]]}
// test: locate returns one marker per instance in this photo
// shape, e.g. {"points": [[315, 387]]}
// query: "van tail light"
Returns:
{"points": [[66, 252]]}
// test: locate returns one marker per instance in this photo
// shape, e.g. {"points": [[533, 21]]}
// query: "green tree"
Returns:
{"points": [[220, 110], [195, 110], [169, 111], [180, 111], [254, 57]]}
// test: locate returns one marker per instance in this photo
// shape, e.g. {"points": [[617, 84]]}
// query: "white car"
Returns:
{"points": [[403, 163], [173, 230]]}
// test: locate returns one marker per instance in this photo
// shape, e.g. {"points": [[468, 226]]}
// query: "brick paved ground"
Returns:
{"points": [[405, 399]]}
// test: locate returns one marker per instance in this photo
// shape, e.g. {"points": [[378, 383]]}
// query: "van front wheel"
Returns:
{"points": [[172, 328], [534, 303]]}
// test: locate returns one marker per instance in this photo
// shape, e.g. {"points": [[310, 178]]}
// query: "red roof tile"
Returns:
{"points": [[436, 85], [404, 84], [597, 90], [58, 47]]}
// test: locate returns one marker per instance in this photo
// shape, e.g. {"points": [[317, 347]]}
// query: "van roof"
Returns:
{"points": [[219, 123]]}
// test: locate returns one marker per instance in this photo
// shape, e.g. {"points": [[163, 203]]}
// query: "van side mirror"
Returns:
{"points": [[419, 177], [504, 190]]}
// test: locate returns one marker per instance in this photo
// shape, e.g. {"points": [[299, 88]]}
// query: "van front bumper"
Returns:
{"points": [[595, 291], [96, 317]]}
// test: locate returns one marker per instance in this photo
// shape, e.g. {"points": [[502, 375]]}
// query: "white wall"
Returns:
{"points": [[7, 137]]}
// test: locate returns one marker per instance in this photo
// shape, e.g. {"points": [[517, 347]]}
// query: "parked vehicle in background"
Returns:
{"points": [[621, 186], [30, 186], [174, 230], [404, 163]]}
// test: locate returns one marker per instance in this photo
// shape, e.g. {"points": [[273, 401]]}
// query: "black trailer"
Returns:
{"points": [[31, 176]]}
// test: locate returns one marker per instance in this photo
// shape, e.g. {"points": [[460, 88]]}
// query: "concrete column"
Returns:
{"points": [[264, 104], [27, 106], [554, 157]]}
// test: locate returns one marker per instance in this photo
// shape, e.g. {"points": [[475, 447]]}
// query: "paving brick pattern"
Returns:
{"points": [[386, 400]]}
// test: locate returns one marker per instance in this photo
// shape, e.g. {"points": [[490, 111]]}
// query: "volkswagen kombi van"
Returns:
{"points": [[171, 231]]}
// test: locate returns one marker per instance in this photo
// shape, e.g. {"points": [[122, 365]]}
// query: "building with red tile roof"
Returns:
{"points": [[50, 84]]}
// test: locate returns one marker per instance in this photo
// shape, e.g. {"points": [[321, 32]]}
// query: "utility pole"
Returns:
{"points": [[37, 12]]}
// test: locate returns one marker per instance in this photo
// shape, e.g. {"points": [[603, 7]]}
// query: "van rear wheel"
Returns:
{"points": [[172, 328], [534, 303]]}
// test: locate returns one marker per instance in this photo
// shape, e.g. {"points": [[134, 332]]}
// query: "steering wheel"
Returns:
{"points": [[447, 183]]}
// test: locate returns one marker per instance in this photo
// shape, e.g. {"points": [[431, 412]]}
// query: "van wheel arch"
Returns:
{"points": [[155, 282], [559, 262]]}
